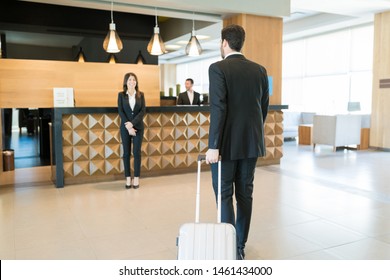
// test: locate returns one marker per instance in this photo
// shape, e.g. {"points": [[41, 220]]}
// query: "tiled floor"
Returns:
{"points": [[314, 205]]}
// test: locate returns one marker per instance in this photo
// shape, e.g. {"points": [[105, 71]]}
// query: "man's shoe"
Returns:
{"points": [[128, 186]]}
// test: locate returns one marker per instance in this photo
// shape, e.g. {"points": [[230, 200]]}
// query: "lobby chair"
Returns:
{"points": [[336, 131]]}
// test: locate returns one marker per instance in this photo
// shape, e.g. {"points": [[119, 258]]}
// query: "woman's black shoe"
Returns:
{"points": [[136, 186], [128, 186]]}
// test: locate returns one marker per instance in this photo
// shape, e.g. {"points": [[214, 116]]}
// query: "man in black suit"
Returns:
{"points": [[189, 97], [239, 101]]}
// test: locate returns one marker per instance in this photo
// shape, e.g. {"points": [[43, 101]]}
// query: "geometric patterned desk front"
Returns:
{"points": [[92, 149], [92, 144]]}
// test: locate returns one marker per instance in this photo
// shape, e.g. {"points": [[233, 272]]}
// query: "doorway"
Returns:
{"points": [[26, 132]]}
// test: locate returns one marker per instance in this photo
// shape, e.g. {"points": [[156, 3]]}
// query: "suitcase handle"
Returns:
{"points": [[197, 208], [203, 157]]}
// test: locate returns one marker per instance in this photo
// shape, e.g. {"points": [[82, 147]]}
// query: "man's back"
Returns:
{"points": [[239, 103]]}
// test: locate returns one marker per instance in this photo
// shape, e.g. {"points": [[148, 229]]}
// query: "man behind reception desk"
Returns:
{"points": [[189, 97]]}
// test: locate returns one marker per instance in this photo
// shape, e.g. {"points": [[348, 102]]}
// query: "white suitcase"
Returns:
{"points": [[207, 241]]}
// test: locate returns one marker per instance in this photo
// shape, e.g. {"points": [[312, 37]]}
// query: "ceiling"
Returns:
{"points": [[204, 9], [301, 18]]}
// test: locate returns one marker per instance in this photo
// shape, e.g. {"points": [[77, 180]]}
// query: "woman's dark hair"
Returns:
{"points": [[235, 36], [126, 78]]}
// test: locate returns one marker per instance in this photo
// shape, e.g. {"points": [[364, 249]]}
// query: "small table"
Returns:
{"points": [[305, 134], [364, 139]]}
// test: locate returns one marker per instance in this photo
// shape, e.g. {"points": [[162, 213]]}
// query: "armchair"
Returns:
{"points": [[338, 130]]}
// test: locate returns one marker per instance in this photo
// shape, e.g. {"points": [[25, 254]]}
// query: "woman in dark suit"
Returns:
{"points": [[131, 109]]}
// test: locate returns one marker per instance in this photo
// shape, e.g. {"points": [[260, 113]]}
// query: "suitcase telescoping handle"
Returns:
{"points": [[197, 208]]}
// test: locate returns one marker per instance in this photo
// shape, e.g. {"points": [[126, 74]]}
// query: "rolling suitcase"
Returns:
{"points": [[207, 241]]}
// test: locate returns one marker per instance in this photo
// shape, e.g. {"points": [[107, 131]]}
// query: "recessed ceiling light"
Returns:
{"points": [[172, 47], [202, 37], [199, 37]]}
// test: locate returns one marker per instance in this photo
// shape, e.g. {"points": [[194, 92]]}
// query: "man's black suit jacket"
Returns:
{"points": [[184, 100], [136, 116], [239, 98]]}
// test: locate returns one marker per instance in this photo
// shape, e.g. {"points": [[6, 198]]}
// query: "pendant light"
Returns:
{"points": [[80, 56], [156, 44], [112, 59], [140, 59], [112, 43], [193, 47]]}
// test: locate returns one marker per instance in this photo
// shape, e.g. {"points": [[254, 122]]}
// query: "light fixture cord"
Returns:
{"points": [[112, 8], [155, 10], [193, 21]]}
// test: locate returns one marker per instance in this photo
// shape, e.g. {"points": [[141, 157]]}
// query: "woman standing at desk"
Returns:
{"points": [[131, 108]]}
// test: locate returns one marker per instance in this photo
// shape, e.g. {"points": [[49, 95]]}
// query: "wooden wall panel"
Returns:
{"points": [[380, 115], [263, 44], [29, 83]]}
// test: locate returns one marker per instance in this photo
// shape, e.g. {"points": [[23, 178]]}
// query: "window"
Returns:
{"points": [[323, 73], [198, 71]]}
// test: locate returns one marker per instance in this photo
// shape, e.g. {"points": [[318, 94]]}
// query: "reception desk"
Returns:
{"points": [[86, 144]]}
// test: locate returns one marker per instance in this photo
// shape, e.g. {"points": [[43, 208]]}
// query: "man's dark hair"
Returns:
{"points": [[235, 36], [191, 80]]}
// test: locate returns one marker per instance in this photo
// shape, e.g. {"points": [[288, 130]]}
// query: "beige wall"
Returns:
{"points": [[380, 116], [263, 44], [29, 83]]}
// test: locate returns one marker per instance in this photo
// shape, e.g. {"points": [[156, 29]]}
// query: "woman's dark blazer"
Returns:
{"points": [[136, 116]]}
